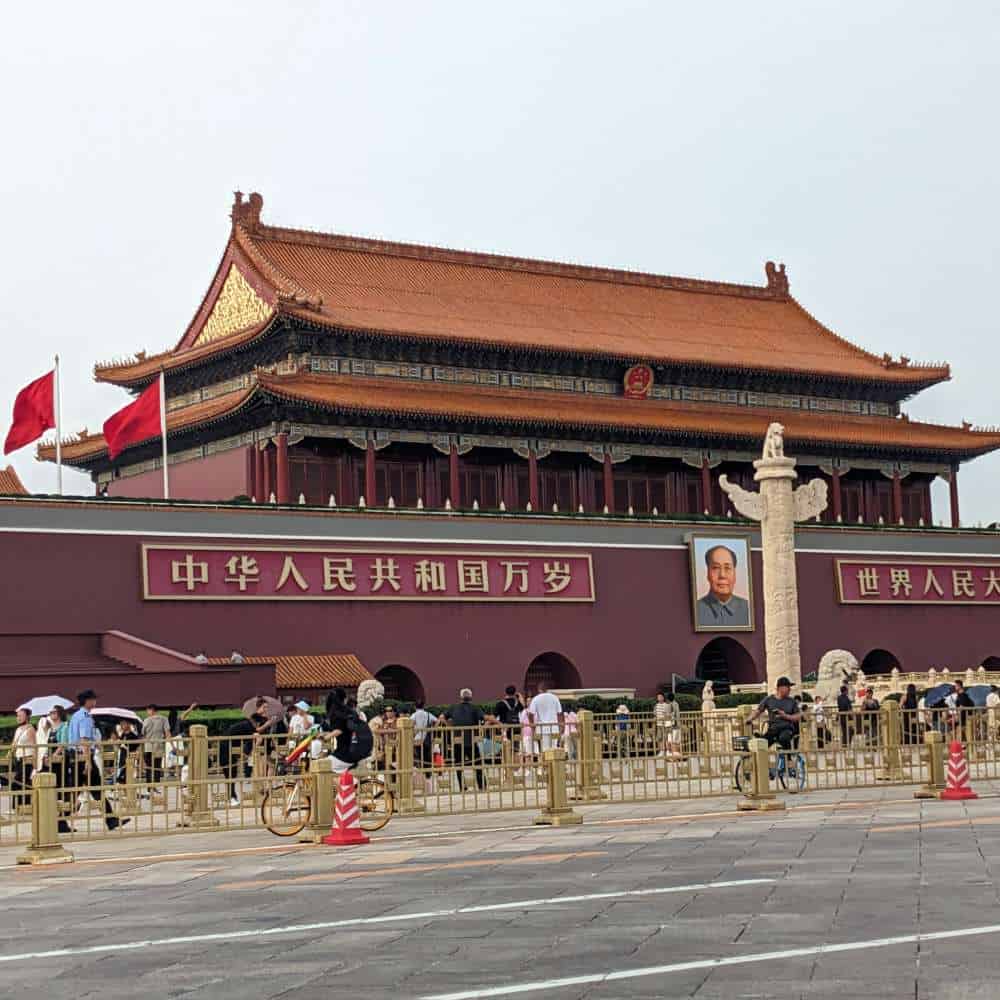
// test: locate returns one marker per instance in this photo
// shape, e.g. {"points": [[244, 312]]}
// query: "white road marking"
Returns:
{"points": [[522, 904], [711, 963]]}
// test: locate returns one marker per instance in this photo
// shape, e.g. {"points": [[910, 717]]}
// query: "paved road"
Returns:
{"points": [[666, 905]]}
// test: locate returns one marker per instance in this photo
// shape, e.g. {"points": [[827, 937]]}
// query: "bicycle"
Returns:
{"points": [[790, 770], [286, 805]]}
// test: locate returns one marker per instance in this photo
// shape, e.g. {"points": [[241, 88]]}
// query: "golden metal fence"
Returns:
{"points": [[118, 788]]}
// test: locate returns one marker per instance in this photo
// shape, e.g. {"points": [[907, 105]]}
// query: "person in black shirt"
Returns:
{"points": [[469, 718], [963, 702], [784, 714], [508, 709], [844, 709]]}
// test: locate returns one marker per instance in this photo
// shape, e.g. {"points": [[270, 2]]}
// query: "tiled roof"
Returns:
{"points": [[320, 670], [565, 410], [10, 483], [84, 446], [429, 293]]}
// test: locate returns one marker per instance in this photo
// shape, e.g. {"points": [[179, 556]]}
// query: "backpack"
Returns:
{"points": [[362, 738]]}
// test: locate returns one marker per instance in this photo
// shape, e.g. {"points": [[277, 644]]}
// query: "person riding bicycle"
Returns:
{"points": [[784, 714], [353, 736]]}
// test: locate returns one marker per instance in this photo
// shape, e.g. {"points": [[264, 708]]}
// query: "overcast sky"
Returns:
{"points": [[856, 142]]}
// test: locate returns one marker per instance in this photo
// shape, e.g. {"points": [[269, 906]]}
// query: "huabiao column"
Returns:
{"points": [[777, 507]]}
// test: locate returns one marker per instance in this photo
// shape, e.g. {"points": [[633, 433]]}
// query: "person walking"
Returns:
{"points": [[571, 730], [964, 706], [23, 753], [508, 708], [673, 727], [845, 709], [909, 706], [993, 712], [468, 718], [423, 722], [661, 721], [84, 741], [155, 733], [819, 714], [546, 716]]}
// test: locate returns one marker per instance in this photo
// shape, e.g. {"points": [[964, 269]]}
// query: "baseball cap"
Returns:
{"points": [[304, 705], [784, 682]]}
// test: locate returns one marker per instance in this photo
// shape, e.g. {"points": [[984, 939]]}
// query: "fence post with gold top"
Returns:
{"points": [[405, 799], [589, 763], [45, 848], [322, 793], [197, 756], [760, 797], [557, 811], [890, 738], [935, 766]]}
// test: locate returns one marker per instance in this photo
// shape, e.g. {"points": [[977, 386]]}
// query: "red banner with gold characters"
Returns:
{"points": [[905, 581], [293, 573]]}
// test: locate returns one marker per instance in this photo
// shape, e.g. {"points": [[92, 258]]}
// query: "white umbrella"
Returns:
{"points": [[115, 713], [44, 704]]}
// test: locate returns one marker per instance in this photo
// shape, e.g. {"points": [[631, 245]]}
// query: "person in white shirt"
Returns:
{"points": [[993, 713], [547, 717], [299, 724]]}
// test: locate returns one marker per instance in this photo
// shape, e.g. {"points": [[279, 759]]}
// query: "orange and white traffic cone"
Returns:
{"points": [[346, 816], [958, 775]]}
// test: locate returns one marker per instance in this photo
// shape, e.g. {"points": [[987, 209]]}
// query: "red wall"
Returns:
{"points": [[637, 632], [218, 477]]}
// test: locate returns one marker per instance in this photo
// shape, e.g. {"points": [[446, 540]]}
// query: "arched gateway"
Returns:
{"points": [[724, 659], [880, 661], [400, 683], [552, 668]]}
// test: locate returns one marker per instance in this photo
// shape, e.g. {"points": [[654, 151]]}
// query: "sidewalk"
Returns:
{"points": [[403, 832]]}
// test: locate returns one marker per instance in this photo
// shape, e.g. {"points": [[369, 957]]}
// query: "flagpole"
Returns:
{"points": [[59, 481], [163, 435]]}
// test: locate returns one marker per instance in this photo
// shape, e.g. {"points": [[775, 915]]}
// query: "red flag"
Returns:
{"points": [[34, 413], [136, 422]]}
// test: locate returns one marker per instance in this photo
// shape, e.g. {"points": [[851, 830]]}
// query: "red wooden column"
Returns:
{"points": [[533, 479], [268, 477], [609, 483], [284, 473], [706, 487], [897, 498], [454, 485], [953, 493], [258, 475], [837, 500], [370, 473]]}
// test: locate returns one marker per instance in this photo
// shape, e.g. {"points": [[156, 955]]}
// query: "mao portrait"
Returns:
{"points": [[721, 583]]}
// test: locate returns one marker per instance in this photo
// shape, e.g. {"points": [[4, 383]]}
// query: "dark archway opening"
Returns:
{"points": [[554, 669], [991, 663], [880, 661], [400, 683], [727, 661]]}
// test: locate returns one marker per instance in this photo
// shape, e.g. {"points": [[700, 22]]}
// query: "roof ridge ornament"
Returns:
{"points": [[777, 279], [247, 213]]}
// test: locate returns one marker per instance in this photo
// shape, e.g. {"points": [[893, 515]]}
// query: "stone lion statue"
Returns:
{"points": [[836, 666], [369, 692]]}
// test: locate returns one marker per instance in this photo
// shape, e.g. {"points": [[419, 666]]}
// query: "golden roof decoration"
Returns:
{"points": [[236, 308]]}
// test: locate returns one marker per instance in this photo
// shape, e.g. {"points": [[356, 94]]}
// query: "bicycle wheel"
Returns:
{"points": [[376, 804], [743, 774], [285, 808], [793, 772]]}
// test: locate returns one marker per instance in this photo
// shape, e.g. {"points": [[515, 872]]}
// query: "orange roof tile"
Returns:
{"points": [[10, 483], [317, 670], [566, 410], [423, 292], [84, 447]]}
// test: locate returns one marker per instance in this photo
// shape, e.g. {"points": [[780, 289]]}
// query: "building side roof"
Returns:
{"points": [[428, 293], [360, 396], [10, 482], [564, 410], [312, 670]]}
